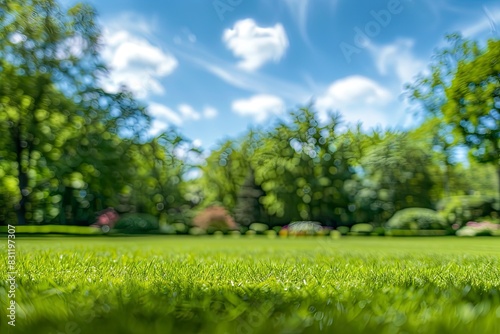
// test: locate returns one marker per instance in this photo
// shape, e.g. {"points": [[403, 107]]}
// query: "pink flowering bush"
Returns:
{"points": [[106, 219], [472, 229]]}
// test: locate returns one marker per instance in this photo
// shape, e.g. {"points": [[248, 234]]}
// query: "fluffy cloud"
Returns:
{"points": [[260, 107], [358, 99], [255, 45], [136, 63], [164, 114], [209, 112], [397, 58], [188, 112]]}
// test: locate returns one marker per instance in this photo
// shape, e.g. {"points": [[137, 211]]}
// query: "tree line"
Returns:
{"points": [[69, 149]]}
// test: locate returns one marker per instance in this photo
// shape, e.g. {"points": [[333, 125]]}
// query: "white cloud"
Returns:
{"points": [[157, 127], [164, 114], [255, 45], [209, 112], [188, 112], [358, 99], [260, 107], [397, 58], [254, 82], [197, 143], [488, 23], [135, 63], [185, 36], [299, 10]]}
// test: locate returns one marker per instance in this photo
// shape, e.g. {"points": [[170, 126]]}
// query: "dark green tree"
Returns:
{"points": [[473, 105], [59, 121], [248, 208], [428, 92]]}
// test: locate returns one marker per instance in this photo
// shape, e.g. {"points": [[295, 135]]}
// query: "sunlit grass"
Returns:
{"points": [[257, 285]]}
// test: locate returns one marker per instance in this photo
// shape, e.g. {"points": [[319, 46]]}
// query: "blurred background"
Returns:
{"points": [[238, 116]]}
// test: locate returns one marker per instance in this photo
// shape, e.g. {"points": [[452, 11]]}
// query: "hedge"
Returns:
{"points": [[417, 219]]}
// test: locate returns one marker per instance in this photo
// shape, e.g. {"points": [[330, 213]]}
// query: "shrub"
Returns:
{"points": [[259, 227], [335, 234], [106, 219], [197, 231], [215, 218], [343, 230], [461, 209], [416, 233], [304, 228], [474, 229], [180, 228], [361, 229], [417, 219], [378, 231], [277, 229], [137, 223], [270, 234], [250, 233]]}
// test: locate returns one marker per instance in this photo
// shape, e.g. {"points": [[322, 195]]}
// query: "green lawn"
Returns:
{"points": [[171, 284]]}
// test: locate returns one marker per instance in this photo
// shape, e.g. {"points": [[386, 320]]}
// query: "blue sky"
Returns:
{"points": [[215, 68]]}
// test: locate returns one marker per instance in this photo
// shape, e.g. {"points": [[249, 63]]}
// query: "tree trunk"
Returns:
{"points": [[447, 180], [498, 174], [22, 177]]}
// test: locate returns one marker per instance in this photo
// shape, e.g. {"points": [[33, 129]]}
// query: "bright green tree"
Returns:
{"points": [[473, 105], [59, 123], [396, 175], [303, 167], [428, 91]]}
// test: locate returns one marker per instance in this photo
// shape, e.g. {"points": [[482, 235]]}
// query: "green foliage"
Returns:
{"points": [[259, 227], [137, 223], [303, 167], [248, 208], [304, 228], [462, 209], [417, 219], [197, 231], [378, 231], [226, 285], [361, 229], [223, 175], [472, 106], [475, 229], [335, 234], [397, 176], [416, 233], [53, 229], [343, 230]]}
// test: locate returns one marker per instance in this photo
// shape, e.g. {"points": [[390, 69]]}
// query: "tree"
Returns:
{"points": [[473, 105], [160, 167], [223, 174], [429, 91], [248, 209], [303, 167], [50, 97], [396, 176]]}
